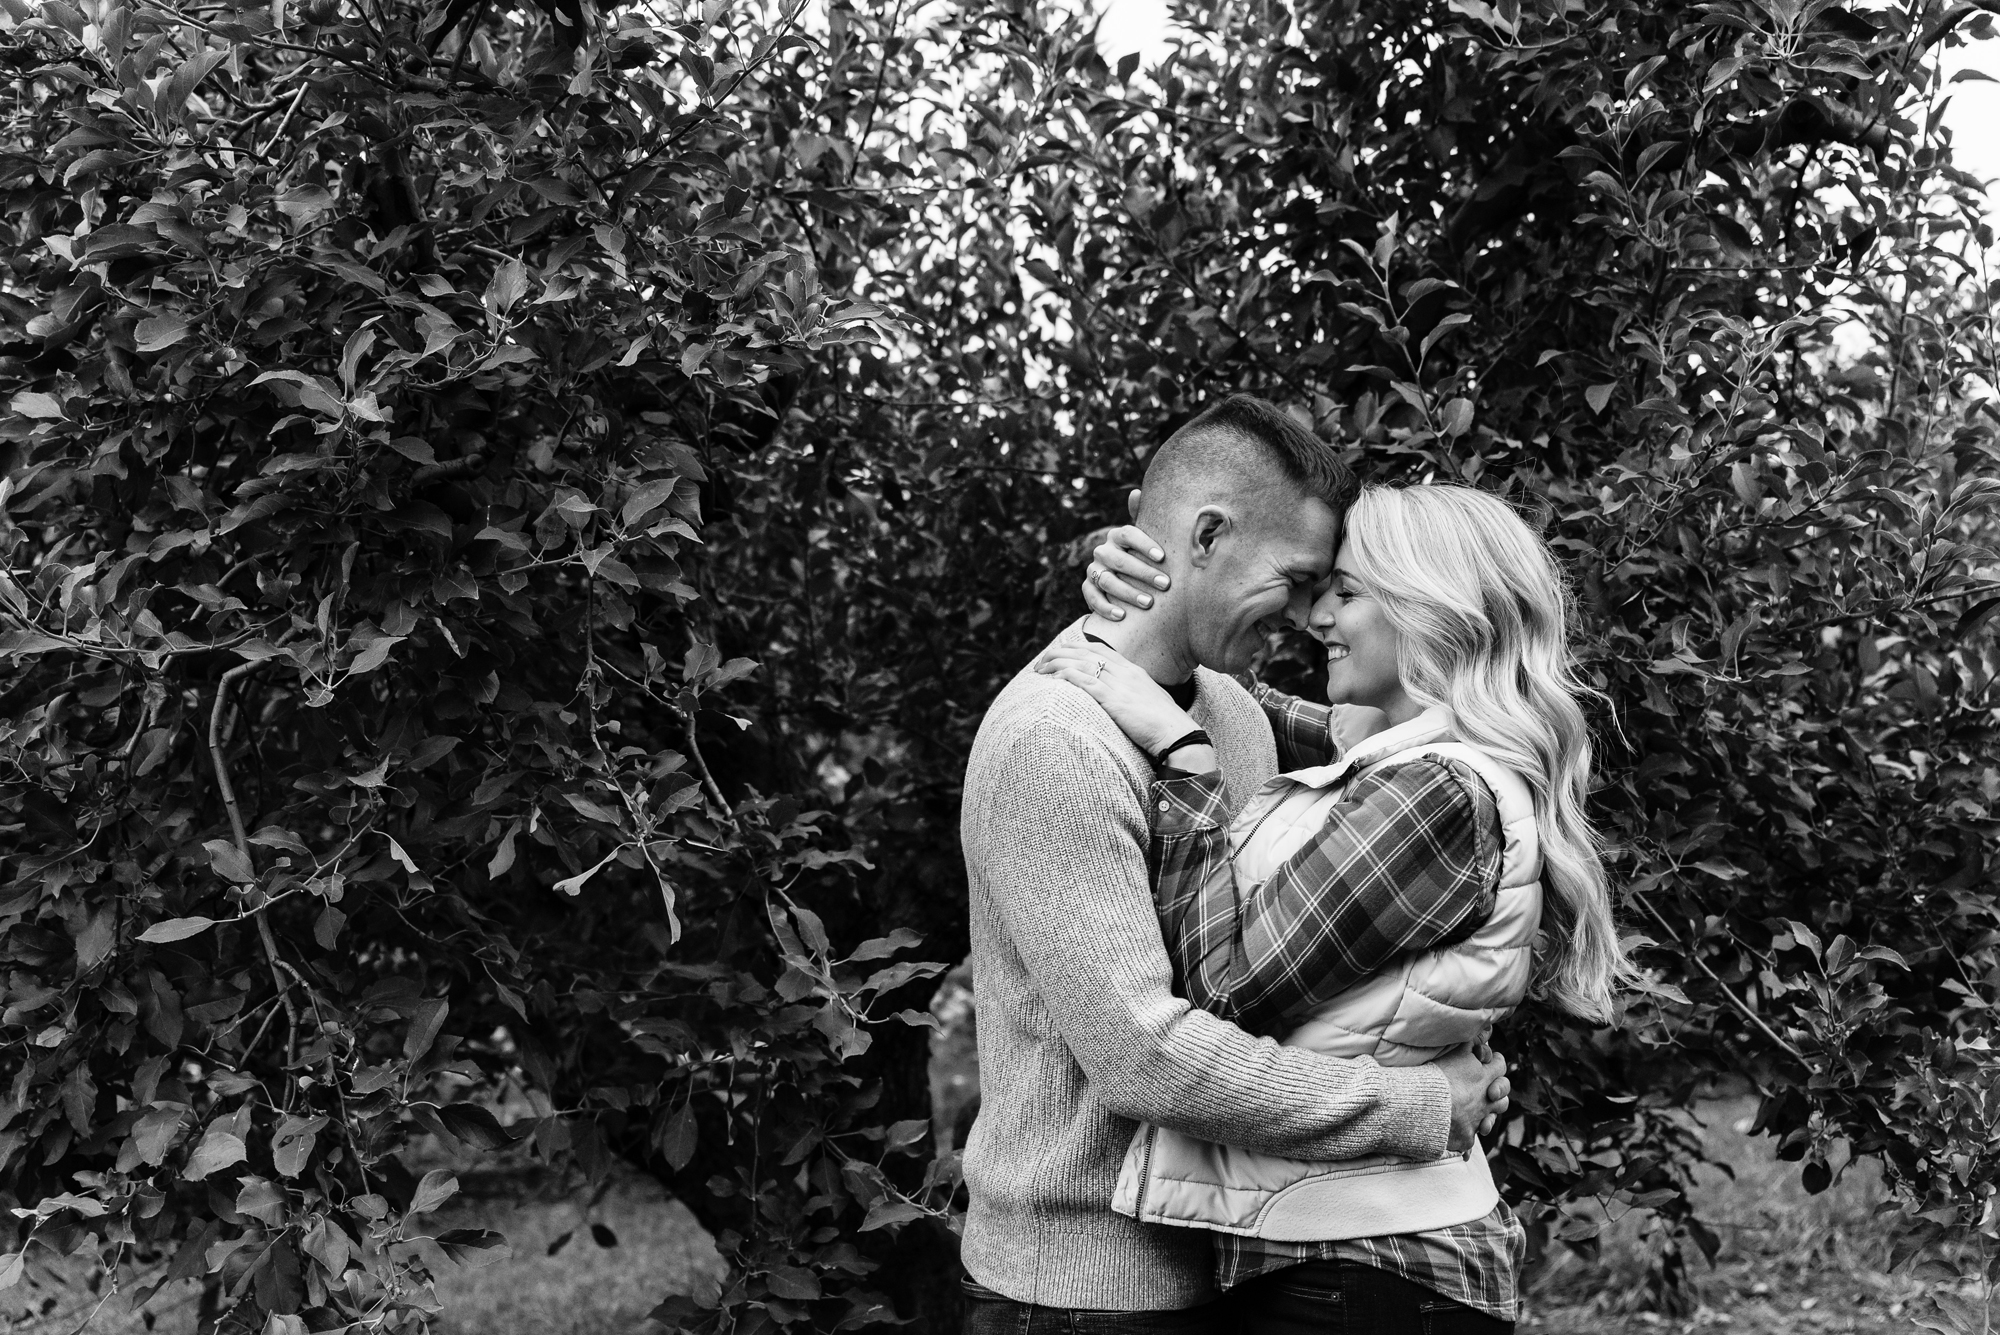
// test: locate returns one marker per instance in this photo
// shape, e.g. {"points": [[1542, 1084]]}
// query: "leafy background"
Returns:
{"points": [[512, 516]]}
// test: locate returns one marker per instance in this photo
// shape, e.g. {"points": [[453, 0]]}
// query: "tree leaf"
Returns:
{"points": [[304, 203], [230, 861], [373, 655], [219, 1148], [436, 1187], [647, 499], [510, 281], [503, 853], [264, 1201], [794, 1282], [175, 929], [34, 403], [94, 942], [475, 1247], [675, 1137], [154, 1134], [475, 1126], [160, 331], [572, 885], [292, 1143], [313, 392], [424, 1027], [186, 78], [1457, 417], [886, 1213], [327, 1243]]}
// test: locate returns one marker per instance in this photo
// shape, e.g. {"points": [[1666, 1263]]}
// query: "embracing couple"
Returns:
{"points": [[1236, 955]]}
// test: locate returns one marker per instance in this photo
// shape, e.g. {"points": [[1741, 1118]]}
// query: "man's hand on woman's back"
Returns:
{"points": [[1479, 1092]]}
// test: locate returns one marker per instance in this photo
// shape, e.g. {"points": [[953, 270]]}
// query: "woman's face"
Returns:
{"points": [[1361, 646]]}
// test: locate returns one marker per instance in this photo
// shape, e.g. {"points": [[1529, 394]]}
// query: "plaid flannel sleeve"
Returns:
{"points": [[1408, 861], [1194, 885], [1304, 730]]}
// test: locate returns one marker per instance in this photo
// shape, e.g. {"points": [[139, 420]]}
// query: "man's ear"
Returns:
{"points": [[1132, 504], [1211, 523]]}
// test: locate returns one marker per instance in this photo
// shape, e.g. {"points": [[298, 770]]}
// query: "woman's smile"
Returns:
{"points": [[1362, 646]]}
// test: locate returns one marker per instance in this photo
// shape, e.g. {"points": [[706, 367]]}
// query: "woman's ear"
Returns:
{"points": [[1211, 522]]}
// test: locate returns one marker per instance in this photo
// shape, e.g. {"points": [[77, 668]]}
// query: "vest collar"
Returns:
{"points": [[1433, 725]]}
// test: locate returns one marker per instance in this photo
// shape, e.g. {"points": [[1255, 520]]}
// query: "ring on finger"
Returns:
{"points": [[1098, 671]]}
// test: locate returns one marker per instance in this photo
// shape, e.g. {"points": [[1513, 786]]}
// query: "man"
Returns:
{"points": [[1080, 1035]]}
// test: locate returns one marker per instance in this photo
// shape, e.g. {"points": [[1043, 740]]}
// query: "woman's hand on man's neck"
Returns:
{"points": [[1150, 640]]}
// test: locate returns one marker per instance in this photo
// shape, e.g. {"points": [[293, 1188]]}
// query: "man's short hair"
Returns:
{"points": [[1251, 442]]}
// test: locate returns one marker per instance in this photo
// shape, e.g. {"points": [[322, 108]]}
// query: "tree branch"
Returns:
{"points": [[242, 841], [1807, 120], [1742, 1007]]}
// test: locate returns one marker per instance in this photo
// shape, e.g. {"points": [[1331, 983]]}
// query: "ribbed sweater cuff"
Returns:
{"points": [[1424, 1096]]}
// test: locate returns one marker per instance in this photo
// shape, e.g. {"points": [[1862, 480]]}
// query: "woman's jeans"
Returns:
{"points": [[1343, 1298], [987, 1313]]}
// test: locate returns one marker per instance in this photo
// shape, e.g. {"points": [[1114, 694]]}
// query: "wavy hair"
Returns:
{"points": [[1484, 615]]}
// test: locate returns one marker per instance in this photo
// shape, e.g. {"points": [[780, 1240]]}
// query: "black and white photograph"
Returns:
{"points": [[999, 667]]}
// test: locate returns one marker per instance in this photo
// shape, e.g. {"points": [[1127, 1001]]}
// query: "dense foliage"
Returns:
{"points": [[511, 518]]}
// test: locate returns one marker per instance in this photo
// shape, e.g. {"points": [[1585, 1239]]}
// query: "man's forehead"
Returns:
{"points": [[1314, 559], [1301, 522]]}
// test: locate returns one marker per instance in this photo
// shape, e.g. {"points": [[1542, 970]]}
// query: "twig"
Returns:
{"points": [[464, 466], [222, 783], [709, 785], [1741, 1006], [701, 763], [242, 840], [284, 120]]}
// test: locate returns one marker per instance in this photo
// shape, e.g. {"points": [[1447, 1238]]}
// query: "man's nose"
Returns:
{"points": [[1298, 608]]}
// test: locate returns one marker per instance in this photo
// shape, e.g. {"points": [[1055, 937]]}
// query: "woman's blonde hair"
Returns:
{"points": [[1484, 616]]}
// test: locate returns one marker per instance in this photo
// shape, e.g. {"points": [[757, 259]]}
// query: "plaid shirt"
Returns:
{"points": [[1408, 861]]}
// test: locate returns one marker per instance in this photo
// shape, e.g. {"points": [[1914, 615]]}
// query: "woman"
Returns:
{"points": [[1392, 902]]}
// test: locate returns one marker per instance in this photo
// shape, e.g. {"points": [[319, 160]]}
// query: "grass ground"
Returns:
{"points": [[1791, 1264]]}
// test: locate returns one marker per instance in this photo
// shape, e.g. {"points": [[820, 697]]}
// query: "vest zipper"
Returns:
{"points": [[1271, 811], [1145, 1172]]}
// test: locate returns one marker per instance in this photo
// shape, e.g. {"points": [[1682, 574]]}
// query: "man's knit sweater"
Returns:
{"points": [[1080, 1034]]}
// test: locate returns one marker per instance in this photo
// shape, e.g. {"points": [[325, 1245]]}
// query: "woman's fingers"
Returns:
{"points": [[1077, 669], [1116, 576], [1124, 572], [1072, 660], [1132, 538], [1129, 554], [1096, 599], [1111, 588], [1091, 684]]}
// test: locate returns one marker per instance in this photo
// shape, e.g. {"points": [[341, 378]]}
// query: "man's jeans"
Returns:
{"points": [[1345, 1298], [987, 1313]]}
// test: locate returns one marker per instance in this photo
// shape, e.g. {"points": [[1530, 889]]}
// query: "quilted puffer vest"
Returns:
{"points": [[1409, 1013]]}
